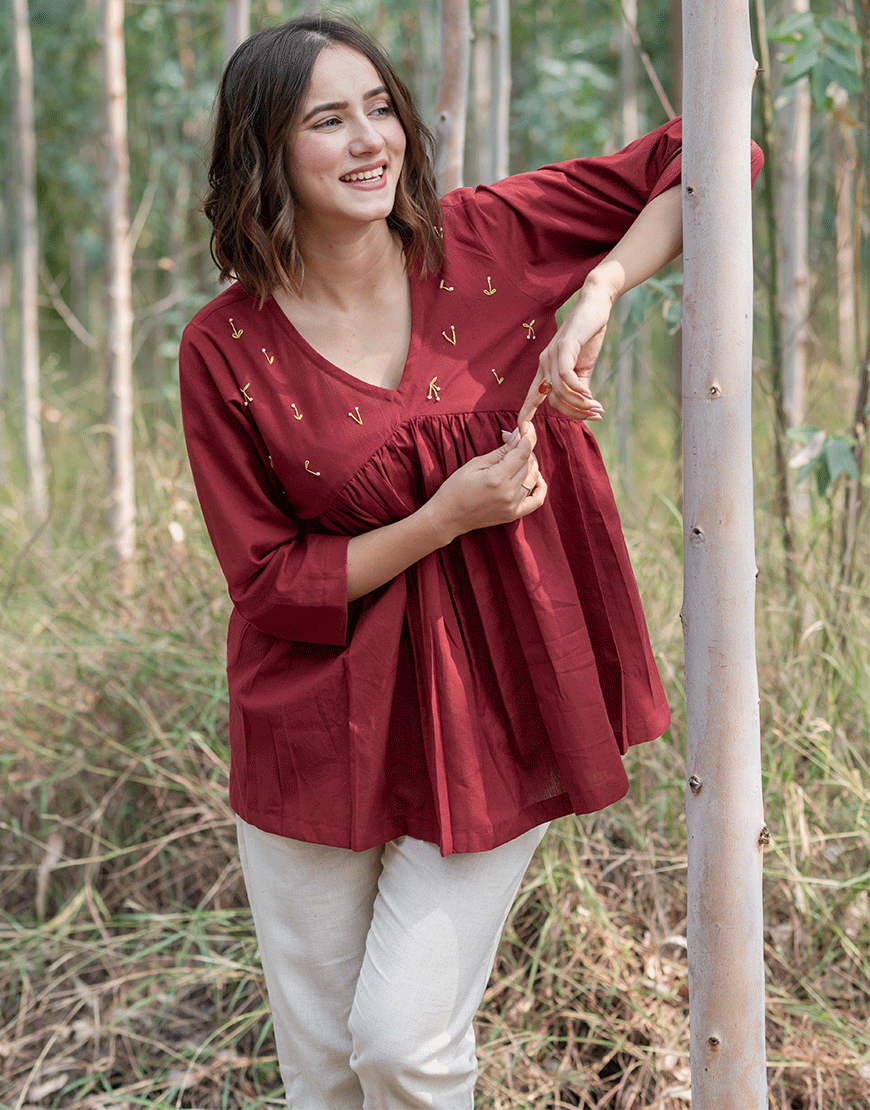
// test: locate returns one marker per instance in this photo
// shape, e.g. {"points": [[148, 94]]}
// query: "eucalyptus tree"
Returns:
{"points": [[28, 268], [451, 103], [119, 301], [725, 827]]}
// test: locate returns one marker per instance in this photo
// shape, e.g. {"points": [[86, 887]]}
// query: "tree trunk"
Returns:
{"points": [[451, 104], [794, 291], [500, 104], [482, 67], [28, 253], [625, 364], [723, 800], [237, 25], [845, 166], [119, 310]]}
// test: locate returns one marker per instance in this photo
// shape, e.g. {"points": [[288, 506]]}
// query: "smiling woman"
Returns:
{"points": [[436, 644]]}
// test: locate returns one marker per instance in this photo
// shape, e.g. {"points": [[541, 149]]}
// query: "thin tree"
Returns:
{"points": [[794, 291], [237, 24], [725, 825], [630, 130], [451, 103], [119, 307], [28, 266], [500, 33]]}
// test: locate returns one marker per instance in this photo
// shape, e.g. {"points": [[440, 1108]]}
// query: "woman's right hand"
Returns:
{"points": [[491, 489]]}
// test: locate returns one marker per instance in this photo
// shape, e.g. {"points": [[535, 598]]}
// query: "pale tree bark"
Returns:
{"points": [[451, 103], [792, 233], [725, 824], [625, 364], [28, 267], [481, 63], [237, 25], [500, 102], [119, 308], [848, 236]]}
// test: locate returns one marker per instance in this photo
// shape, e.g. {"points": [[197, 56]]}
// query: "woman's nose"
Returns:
{"points": [[366, 137]]}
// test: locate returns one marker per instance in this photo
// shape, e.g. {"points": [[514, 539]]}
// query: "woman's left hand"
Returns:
{"points": [[567, 361]]}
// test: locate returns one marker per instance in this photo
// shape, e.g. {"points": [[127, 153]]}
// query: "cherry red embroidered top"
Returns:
{"points": [[495, 684]]}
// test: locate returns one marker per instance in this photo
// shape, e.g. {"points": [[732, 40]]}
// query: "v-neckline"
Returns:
{"points": [[339, 371]]}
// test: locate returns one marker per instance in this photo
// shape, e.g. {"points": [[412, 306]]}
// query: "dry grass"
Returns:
{"points": [[128, 974]]}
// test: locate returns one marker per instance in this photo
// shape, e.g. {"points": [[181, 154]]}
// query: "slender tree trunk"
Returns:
{"points": [[625, 365], [119, 308], [28, 268], [500, 104], [723, 800], [794, 290], [451, 104], [237, 25], [482, 68], [848, 235]]}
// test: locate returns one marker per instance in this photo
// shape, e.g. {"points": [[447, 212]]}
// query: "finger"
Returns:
{"points": [[534, 500], [533, 398]]}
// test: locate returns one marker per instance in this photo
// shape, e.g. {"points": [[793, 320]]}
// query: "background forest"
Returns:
{"points": [[128, 972]]}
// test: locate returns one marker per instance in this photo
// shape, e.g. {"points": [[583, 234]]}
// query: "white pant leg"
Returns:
{"points": [[433, 938], [312, 908]]}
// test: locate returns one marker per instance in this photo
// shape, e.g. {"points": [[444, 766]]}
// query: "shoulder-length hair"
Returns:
{"points": [[250, 202]]}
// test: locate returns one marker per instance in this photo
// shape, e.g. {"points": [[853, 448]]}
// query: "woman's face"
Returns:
{"points": [[345, 156]]}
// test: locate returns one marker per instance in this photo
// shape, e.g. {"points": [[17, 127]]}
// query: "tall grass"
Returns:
{"points": [[128, 972]]}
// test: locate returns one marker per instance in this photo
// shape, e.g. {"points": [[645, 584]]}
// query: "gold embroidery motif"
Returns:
{"points": [[488, 292], [297, 415], [355, 415], [450, 339], [246, 395], [497, 378], [446, 288], [269, 358], [237, 332], [530, 328], [434, 390], [316, 473]]}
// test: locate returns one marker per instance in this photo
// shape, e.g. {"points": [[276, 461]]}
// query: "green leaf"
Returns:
{"points": [[840, 459], [805, 471], [846, 58], [837, 31], [823, 475], [792, 27], [801, 66], [802, 433]]}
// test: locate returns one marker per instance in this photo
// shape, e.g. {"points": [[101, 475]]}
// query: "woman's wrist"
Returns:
{"points": [[608, 277]]}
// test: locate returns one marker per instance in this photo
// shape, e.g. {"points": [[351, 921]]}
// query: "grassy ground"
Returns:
{"points": [[128, 974]]}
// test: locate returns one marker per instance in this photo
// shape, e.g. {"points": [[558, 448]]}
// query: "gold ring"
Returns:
{"points": [[544, 388]]}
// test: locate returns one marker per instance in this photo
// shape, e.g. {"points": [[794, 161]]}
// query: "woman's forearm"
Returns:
{"points": [[654, 239], [375, 558]]}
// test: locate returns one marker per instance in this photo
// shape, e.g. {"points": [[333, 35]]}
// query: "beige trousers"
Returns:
{"points": [[376, 963]]}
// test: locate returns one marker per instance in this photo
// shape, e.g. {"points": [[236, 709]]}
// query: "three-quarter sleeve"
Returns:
{"points": [[283, 578], [561, 220]]}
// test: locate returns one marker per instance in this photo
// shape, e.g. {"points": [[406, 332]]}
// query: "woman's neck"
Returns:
{"points": [[343, 272]]}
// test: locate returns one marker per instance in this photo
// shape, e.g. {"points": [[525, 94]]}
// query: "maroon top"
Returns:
{"points": [[495, 684]]}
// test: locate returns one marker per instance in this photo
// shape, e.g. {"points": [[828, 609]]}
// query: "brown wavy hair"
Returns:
{"points": [[249, 202]]}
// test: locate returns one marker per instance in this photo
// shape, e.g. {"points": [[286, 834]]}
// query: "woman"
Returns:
{"points": [[436, 645]]}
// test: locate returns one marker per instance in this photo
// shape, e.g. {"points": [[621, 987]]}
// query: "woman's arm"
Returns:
{"points": [[654, 239]]}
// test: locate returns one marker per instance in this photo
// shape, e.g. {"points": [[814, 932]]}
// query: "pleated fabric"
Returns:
{"points": [[497, 683]]}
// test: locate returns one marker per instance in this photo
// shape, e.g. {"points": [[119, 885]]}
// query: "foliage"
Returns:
{"points": [[823, 48], [826, 456]]}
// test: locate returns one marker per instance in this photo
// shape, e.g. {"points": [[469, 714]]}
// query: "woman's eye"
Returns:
{"points": [[330, 121], [383, 110]]}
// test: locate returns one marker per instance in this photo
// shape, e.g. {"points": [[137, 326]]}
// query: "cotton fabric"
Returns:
{"points": [[376, 963], [497, 683]]}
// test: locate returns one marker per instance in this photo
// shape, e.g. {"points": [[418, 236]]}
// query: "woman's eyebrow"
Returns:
{"points": [[340, 105]]}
